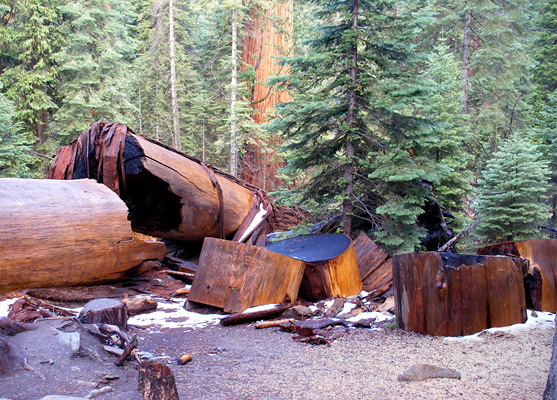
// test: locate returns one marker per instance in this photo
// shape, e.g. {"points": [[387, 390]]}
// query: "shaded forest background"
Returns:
{"points": [[371, 110]]}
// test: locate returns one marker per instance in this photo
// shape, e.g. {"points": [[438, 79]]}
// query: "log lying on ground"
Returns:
{"points": [[375, 269], [169, 194], [235, 276], [61, 233], [331, 268], [452, 295], [541, 279]]}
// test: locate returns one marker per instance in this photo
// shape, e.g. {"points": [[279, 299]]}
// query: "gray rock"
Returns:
{"points": [[98, 392], [58, 397], [298, 312], [70, 339], [421, 372]]}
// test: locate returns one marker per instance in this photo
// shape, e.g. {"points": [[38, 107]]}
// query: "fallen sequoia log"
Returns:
{"points": [[235, 276], [541, 279], [331, 268], [452, 295], [62, 233], [169, 194]]}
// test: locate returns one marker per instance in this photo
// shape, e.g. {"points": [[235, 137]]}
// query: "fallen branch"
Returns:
{"points": [[446, 246], [270, 324], [243, 318], [33, 370]]}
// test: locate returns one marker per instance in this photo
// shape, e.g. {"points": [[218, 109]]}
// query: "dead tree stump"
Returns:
{"points": [[105, 311], [541, 278], [452, 295], [156, 382], [331, 268]]}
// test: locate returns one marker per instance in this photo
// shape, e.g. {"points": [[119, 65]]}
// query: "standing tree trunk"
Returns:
{"points": [[175, 122], [267, 37], [349, 168], [466, 60], [233, 168]]}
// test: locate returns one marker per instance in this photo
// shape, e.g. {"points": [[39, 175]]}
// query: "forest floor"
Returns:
{"points": [[241, 362]]}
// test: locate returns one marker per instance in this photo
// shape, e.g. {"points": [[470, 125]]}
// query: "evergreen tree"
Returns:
{"points": [[96, 79], [447, 142], [14, 148], [348, 127], [545, 50], [512, 192]]}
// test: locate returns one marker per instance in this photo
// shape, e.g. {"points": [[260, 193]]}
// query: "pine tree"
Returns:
{"points": [[14, 147], [348, 129], [96, 80], [512, 192]]}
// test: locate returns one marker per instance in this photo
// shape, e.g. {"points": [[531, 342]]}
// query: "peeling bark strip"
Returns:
{"points": [[63, 233]]}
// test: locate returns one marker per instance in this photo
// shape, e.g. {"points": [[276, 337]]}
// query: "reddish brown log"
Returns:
{"points": [[375, 270], [246, 317], [542, 254], [451, 295], [331, 268], [235, 276], [63, 233]]}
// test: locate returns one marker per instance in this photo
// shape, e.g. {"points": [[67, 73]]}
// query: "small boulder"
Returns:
{"points": [[422, 372]]}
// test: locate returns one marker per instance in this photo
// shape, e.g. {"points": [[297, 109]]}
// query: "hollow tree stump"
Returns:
{"points": [[452, 295], [105, 311], [541, 278], [331, 268], [156, 382], [234, 276]]}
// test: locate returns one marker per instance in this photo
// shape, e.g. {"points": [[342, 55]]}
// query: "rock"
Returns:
{"points": [[70, 339], [421, 372], [58, 397]]}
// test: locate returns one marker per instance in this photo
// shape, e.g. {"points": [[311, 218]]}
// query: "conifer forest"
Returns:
{"points": [[368, 114]]}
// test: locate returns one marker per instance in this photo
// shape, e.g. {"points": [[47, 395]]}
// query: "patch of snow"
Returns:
{"points": [[347, 307], [260, 308], [5, 305], [313, 308], [543, 320], [379, 317], [174, 315]]}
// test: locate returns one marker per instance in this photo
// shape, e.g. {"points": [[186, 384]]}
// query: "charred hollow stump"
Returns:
{"points": [[156, 382], [235, 276], [105, 311], [453, 295], [541, 279], [66, 233], [331, 268]]}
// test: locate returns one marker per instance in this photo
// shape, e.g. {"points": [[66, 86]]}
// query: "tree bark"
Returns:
{"points": [[174, 95], [156, 382], [466, 60]]}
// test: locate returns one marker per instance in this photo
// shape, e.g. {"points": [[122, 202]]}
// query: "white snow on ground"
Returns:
{"points": [[543, 320], [174, 315], [260, 308], [4, 306], [372, 314]]}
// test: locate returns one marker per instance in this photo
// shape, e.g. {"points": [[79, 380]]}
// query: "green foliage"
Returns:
{"points": [[95, 64], [14, 147], [512, 192], [545, 49]]}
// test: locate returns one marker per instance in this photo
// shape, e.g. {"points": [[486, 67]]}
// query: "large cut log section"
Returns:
{"points": [[235, 276], [62, 233], [452, 295], [331, 268], [541, 279]]}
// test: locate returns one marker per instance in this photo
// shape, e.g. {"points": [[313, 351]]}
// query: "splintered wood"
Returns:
{"points": [[375, 268], [62, 233], [541, 278], [235, 276], [331, 268], [452, 295]]}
